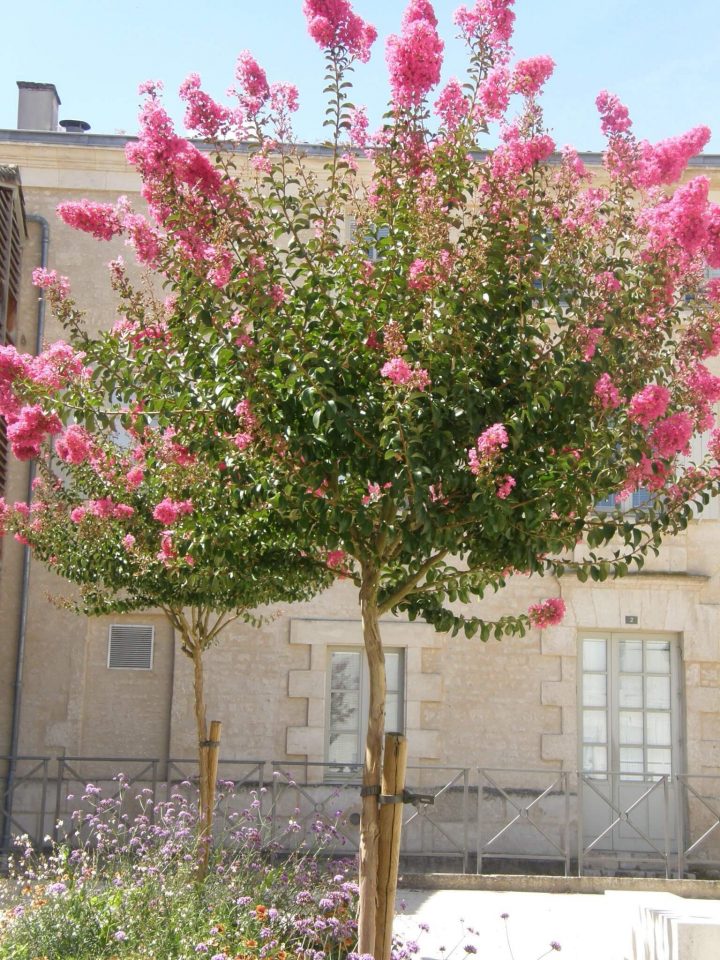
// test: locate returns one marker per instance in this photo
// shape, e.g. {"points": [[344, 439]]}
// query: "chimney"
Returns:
{"points": [[37, 106], [75, 126]]}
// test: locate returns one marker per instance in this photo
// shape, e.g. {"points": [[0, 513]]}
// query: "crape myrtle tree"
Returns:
{"points": [[430, 359], [130, 515]]}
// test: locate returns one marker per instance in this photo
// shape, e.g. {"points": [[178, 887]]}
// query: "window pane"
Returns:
{"points": [[658, 693], [658, 729], [630, 656], [594, 726], [345, 674], [393, 714], [594, 657], [631, 761], [344, 711], [594, 690], [658, 761], [392, 670], [631, 727], [631, 691], [595, 759], [343, 748], [657, 656]]}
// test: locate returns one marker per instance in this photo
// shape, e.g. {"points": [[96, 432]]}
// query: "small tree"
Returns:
{"points": [[441, 394], [131, 516]]}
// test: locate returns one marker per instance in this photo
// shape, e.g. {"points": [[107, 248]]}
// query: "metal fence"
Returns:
{"points": [[471, 819]]}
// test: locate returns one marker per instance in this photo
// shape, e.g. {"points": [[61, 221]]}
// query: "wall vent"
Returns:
{"points": [[130, 646]]}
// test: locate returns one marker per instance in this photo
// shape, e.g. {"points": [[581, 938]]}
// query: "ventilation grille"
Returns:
{"points": [[130, 647]]}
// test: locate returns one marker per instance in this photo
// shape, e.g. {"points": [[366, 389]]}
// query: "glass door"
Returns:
{"points": [[630, 737]]}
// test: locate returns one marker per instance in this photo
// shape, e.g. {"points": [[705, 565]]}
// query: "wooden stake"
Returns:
{"points": [[391, 816], [212, 756]]}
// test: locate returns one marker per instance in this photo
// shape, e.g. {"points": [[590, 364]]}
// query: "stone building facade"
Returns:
{"points": [[630, 682]]}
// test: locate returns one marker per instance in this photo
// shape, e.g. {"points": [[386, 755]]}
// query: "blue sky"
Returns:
{"points": [[661, 57]]}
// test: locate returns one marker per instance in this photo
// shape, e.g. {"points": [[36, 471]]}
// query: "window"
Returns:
{"points": [[372, 239], [637, 499], [348, 695], [130, 646]]}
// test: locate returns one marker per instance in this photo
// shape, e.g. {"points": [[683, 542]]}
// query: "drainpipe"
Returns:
{"points": [[24, 590]]}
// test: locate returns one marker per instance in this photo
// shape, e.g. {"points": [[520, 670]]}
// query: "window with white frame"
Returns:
{"points": [[348, 700], [130, 646]]}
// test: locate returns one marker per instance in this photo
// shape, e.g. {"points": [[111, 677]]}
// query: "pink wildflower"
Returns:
{"points": [[414, 58], [128, 541], [77, 515], [648, 404], [547, 613]]}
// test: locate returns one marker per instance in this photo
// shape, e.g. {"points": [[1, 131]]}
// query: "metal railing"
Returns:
{"points": [[580, 821]]}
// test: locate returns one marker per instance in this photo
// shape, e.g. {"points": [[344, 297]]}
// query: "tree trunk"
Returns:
{"points": [[369, 819]]}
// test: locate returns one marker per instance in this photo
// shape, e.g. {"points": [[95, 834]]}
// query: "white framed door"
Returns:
{"points": [[629, 736]]}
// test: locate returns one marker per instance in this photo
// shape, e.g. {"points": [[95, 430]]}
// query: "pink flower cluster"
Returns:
{"points": [[375, 492], [51, 280], [248, 421], [203, 114], [255, 91], [505, 486], [399, 371], [452, 105], [686, 223], [516, 154], [28, 429], [488, 447], [614, 116], [104, 509], [489, 19], [664, 162], [414, 58], [168, 511], [75, 445], [648, 404], [672, 435], [529, 76], [547, 613], [607, 393], [494, 93], [336, 559], [99, 219], [333, 24]]}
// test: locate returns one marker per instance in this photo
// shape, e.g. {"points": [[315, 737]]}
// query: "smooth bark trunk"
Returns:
{"points": [[369, 818]]}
